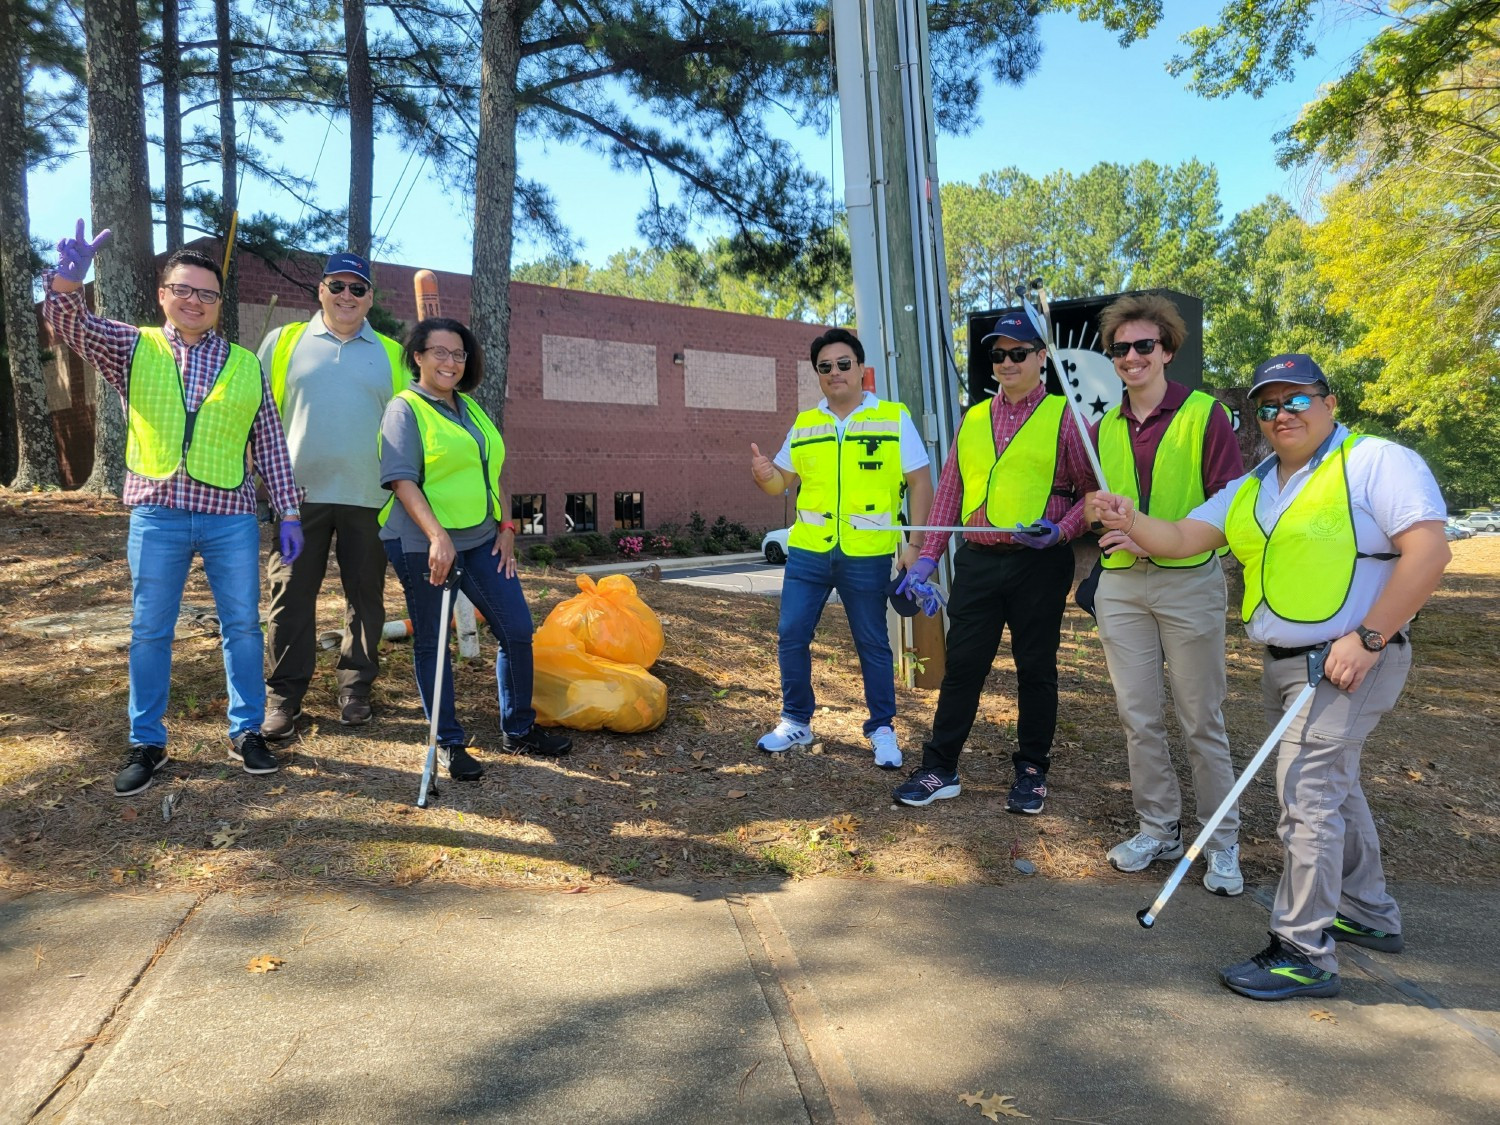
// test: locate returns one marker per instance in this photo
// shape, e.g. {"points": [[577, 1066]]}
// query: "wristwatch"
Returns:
{"points": [[1372, 640]]}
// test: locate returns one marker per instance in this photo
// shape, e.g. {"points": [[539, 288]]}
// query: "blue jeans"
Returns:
{"points": [[160, 549], [501, 603], [861, 582]]}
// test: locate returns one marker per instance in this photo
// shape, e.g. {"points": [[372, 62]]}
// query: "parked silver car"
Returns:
{"points": [[1482, 521]]}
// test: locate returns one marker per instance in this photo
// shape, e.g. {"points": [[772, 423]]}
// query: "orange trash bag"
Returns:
{"points": [[582, 692], [610, 620]]}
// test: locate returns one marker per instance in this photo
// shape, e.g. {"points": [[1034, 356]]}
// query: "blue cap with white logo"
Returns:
{"points": [[348, 263], [1296, 368], [1013, 326]]}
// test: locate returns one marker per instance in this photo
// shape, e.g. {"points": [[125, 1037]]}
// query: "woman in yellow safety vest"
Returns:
{"points": [[441, 457]]}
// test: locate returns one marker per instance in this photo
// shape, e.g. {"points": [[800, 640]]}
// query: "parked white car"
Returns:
{"points": [[1481, 521], [773, 546]]}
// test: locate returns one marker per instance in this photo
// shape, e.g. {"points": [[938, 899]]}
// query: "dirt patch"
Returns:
{"points": [[692, 800]]}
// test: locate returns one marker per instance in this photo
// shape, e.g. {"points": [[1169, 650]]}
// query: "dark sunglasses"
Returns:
{"points": [[183, 292], [1297, 404], [358, 288], [826, 368], [1015, 355], [1120, 349]]}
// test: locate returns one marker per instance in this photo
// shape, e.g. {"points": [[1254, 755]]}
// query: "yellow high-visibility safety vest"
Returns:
{"points": [[1013, 487], [850, 491], [286, 343], [1176, 470], [460, 476], [160, 438], [1303, 569]]}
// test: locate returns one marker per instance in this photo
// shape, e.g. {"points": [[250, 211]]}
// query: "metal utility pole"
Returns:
{"points": [[895, 235]]}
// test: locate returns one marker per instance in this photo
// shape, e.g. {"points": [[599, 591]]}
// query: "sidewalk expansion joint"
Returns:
{"points": [[102, 1034], [829, 1090]]}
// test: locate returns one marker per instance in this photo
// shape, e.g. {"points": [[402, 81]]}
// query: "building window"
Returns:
{"points": [[580, 511], [630, 512], [529, 510]]}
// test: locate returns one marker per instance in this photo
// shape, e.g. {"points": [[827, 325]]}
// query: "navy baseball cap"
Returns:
{"points": [[1013, 326], [1294, 368], [348, 263]]}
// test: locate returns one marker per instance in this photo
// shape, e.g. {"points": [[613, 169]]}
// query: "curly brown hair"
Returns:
{"points": [[1144, 306]]}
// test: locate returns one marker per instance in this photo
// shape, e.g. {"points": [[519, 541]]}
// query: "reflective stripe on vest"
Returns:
{"points": [[286, 344], [1303, 570], [1176, 470], [460, 476], [1012, 488], [851, 488], [210, 444]]}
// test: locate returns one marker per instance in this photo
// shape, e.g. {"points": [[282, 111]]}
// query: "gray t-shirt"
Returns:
{"points": [[336, 391], [401, 458]]}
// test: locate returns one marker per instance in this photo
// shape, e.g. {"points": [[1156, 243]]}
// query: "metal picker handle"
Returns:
{"points": [[1147, 917], [429, 768], [1041, 322]]}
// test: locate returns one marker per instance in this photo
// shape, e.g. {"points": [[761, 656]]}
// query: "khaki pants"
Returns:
{"points": [[1147, 615], [1331, 858]]}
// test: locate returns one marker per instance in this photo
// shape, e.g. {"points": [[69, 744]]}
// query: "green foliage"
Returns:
{"points": [[569, 547], [594, 543], [540, 553]]}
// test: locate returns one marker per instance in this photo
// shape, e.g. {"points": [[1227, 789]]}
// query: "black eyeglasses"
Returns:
{"points": [[1297, 404], [183, 292], [826, 368], [1015, 355], [443, 355], [358, 288], [1120, 348]]}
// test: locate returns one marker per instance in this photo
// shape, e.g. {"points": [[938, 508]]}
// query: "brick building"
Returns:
{"points": [[617, 411]]}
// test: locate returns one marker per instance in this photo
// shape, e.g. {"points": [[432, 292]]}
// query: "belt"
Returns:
{"points": [[1279, 653], [994, 548]]}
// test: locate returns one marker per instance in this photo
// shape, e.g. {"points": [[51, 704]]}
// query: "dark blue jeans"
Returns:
{"points": [[501, 603], [861, 582]]}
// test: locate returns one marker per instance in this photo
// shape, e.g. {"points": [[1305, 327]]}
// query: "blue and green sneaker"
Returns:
{"points": [[1347, 929], [1279, 972]]}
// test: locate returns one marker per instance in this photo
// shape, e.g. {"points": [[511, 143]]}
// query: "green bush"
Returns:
{"points": [[697, 524], [571, 547], [596, 544], [540, 553]]}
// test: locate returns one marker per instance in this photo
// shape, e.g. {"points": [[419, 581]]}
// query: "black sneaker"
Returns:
{"points": [[1279, 972], [1347, 929], [250, 750], [354, 710], [459, 763], [539, 741], [141, 764], [927, 785], [1029, 793], [281, 722]]}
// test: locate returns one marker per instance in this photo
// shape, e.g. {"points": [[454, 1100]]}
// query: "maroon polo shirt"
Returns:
{"points": [[1221, 449]]}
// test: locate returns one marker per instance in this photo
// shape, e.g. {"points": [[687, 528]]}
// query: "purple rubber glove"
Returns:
{"points": [[76, 254], [920, 572], [1046, 535], [291, 540]]}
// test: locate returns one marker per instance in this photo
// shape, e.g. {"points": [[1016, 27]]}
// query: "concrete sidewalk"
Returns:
{"points": [[816, 1001]]}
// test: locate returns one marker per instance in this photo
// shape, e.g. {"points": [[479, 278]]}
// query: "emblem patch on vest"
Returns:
{"points": [[1325, 524]]}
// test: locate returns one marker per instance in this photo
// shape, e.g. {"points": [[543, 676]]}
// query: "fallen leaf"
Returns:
{"points": [[614, 775], [634, 754], [227, 835], [994, 1107], [698, 755], [579, 889], [265, 963], [815, 835], [659, 752], [1414, 775], [594, 766], [646, 805], [127, 815], [736, 794], [276, 792], [1321, 1016], [846, 823]]}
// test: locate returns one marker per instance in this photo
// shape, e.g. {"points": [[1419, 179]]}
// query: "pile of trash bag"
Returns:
{"points": [[591, 656]]}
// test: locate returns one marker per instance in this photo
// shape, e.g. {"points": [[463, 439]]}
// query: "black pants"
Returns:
{"points": [[292, 618], [1026, 590]]}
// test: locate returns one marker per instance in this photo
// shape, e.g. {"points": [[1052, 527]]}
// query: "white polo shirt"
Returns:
{"points": [[913, 452], [1391, 488]]}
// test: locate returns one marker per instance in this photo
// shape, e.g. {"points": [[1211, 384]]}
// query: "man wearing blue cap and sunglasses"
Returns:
{"points": [[1341, 537], [331, 377]]}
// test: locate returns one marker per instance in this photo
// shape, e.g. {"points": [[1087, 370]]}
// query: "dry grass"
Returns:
{"points": [[658, 805]]}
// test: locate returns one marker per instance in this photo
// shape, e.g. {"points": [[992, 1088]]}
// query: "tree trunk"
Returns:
{"points": [[494, 197], [36, 453], [361, 127], [171, 124], [229, 303], [124, 272]]}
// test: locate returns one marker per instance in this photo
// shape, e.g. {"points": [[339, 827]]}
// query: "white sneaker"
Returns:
{"points": [[1141, 851], [1223, 875], [887, 752], [786, 735]]}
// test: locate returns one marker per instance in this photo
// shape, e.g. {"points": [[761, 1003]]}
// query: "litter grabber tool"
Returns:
{"points": [[429, 767], [1042, 322], [1315, 658]]}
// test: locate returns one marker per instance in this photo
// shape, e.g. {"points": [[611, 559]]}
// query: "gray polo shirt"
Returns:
{"points": [[336, 392], [402, 458]]}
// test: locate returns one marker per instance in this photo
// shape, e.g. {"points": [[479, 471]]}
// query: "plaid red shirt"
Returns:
{"points": [[109, 345], [1074, 476]]}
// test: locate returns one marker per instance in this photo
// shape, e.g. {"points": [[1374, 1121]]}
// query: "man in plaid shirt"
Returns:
{"points": [[195, 405]]}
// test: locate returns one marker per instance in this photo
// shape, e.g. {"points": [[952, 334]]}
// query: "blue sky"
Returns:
{"points": [[1088, 101]]}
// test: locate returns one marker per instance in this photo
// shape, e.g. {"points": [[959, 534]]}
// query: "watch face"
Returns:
{"points": [[1372, 640]]}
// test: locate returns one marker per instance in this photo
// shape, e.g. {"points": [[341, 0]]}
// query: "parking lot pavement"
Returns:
{"points": [[740, 577]]}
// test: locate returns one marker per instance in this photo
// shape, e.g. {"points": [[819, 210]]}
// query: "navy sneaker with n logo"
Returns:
{"points": [[1029, 793], [926, 786], [1280, 972]]}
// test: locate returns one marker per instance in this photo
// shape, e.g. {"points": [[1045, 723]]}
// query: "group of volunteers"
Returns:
{"points": [[367, 447], [373, 450], [1340, 536]]}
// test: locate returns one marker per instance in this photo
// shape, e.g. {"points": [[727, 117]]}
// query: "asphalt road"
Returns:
{"points": [[742, 578]]}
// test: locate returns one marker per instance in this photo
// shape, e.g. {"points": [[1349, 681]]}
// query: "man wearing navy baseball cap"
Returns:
{"points": [[1341, 537], [1017, 475], [331, 377]]}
